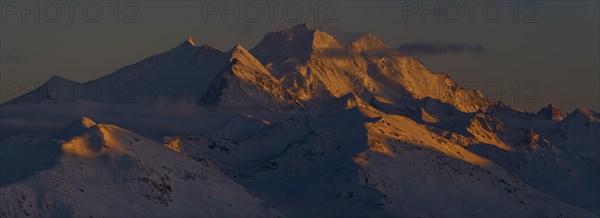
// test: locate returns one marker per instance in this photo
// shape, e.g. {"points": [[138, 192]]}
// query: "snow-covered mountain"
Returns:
{"points": [[56, 90], [313, 65], [299, 125], [90, 169], [187, 72]]}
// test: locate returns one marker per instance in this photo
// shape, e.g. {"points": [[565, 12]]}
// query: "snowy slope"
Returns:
{"points": [[202, 74], [313, 65], [56, 90], [359, 162], [246, 83], [578, 132], [93, 170]]}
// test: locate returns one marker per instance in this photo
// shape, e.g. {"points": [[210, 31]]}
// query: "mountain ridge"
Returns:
{"points": [[299, 125]]}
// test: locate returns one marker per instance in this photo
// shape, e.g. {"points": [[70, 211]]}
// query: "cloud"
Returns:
{"points": [[149, 117], [438, 48], [7, 56]]}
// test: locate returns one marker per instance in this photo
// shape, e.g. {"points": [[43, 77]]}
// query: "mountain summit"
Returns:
{"points": [[551, 112], [190, 41]]}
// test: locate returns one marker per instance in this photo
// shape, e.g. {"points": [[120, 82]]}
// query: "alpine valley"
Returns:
{"points": [[300, 125]]}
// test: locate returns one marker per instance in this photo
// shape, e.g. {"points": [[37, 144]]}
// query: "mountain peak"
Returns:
{"points": [[551, 112], [59, 80], [368, 41], [187, 47], [239, 50], [552, 106], [83, 122], [239, 47], [297, 43], [585, 113], [207, 47], [56, 79], [324, 40], [239, 54], [189, 42], [77, 127], [87, 122], [302, 26], [369, 37]]}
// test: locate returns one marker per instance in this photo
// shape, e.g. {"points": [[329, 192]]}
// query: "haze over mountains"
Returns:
{"points": [[300, 125]]}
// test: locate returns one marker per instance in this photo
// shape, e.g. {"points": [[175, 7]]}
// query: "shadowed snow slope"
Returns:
{"points": [[358, 162], [102, 170]]}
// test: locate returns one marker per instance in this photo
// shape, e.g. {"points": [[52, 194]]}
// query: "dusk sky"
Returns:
{"points": [[549, 55]]}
